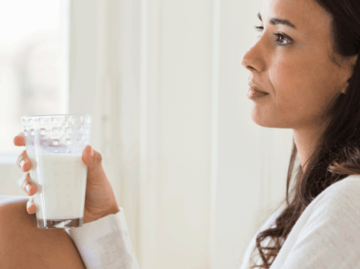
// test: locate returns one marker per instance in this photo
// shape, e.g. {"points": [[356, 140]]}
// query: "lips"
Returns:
{"points": [[255, 87], [254, 95]]}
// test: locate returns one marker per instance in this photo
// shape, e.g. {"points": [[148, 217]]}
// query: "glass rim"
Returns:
{"points": [[56, 115]]}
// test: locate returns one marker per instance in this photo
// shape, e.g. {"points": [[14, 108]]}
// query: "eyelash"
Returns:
{"points": [[261, 28]]}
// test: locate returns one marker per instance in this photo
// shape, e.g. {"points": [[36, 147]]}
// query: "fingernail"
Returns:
{"points": [[22, 163], [28, 205], [28, 187], [92, 152]]}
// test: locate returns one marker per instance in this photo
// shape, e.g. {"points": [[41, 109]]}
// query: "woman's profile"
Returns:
{"points": [[305, 76], [306, 59]]}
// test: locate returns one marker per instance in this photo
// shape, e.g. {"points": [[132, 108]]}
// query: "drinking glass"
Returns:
{"points": [[54, 145]]}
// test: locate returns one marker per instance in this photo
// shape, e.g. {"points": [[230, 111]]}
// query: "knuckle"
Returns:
{"points": [[22, 156], [23, 184], [26, 180], [32, 205], [28, 204]]}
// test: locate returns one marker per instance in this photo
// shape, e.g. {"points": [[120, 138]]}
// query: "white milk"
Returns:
{"points": [[60, 187]]}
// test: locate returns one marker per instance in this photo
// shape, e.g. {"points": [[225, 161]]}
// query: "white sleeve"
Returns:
{"points": [[330, 236], [105, 243]]}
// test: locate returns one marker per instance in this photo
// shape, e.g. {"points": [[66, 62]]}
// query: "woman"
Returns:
{"points": [[305, 60]]}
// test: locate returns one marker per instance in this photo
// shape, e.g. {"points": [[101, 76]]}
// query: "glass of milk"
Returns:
{"points": [[54, 145]]}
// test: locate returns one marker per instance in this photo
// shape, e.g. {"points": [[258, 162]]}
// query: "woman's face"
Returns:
{"points": [[295, 68]]}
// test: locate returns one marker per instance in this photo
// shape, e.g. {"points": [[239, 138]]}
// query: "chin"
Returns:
{"points": [[268, 121], [261, 119]]}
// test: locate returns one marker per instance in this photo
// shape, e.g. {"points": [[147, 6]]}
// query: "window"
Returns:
{"points": [[29, 65]]}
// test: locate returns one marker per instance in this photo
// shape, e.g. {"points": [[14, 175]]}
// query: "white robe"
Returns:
{"points": [[327, 235]]}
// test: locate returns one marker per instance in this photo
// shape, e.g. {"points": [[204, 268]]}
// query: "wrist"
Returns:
{"points": [[114, 210], [90, 217]]}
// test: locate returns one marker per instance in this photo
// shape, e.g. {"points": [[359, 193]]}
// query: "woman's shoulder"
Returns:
{"points": [[347, 187], [350, 179], [341, 199]]}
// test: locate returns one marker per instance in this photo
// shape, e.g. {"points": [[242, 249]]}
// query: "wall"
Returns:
{"points": [[164, 84], [252, 160]]}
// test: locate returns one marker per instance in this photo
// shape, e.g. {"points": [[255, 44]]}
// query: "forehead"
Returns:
{"points": [[307, 15]]}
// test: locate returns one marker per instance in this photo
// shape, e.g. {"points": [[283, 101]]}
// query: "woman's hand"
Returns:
{"points": [[100, 200]]}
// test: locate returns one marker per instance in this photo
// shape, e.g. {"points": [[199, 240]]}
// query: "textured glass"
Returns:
{"points": [[54, 145]]}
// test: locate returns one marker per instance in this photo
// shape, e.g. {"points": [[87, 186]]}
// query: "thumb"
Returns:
{"points": [[91, 158]]}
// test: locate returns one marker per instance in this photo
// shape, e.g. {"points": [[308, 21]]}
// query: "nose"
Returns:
{"points": [[253, 58]]}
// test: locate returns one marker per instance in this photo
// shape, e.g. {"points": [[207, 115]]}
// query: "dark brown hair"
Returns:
{"points": [[337, 151]]}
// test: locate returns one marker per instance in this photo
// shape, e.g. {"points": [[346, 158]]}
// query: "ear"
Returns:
{"points": [[351, 62], [344, 87]]}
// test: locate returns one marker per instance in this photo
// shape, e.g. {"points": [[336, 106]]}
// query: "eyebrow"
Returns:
{"points": [[275, 21]]}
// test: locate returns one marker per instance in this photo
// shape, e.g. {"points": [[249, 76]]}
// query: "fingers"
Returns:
{"points": [[19, 140], [30, 207], [25, 165], [23, 162], [28, 186], [91, 158]]}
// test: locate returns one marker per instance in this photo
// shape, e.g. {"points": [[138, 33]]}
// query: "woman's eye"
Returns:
{"points": [[279, 35]]}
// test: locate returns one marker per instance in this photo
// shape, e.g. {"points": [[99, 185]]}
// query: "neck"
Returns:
{"points": [[305, 140]]}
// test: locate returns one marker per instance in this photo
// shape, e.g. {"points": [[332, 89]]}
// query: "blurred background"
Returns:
{"points": [[164, 84]]}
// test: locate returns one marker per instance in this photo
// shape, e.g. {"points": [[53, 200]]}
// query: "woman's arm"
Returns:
{"points": [[103, 240], [105, 243]]}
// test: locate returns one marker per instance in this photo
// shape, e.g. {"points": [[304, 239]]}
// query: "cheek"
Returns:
{"points": [[289, 84], [297, 90]]}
